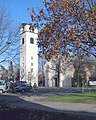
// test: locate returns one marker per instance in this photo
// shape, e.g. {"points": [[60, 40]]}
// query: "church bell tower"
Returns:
{"points": [[28, 53]]}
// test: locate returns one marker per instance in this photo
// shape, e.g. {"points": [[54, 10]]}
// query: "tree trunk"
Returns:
{"points": [[58, 78], [78, 79]]}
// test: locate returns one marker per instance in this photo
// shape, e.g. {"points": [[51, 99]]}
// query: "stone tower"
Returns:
{"points": [[28, 53]]}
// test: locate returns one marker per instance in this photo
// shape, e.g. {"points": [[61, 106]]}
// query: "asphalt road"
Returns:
{"points": [[32, 101]]}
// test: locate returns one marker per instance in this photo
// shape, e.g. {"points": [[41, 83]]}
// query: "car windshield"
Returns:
{"points": [[2, 82]]}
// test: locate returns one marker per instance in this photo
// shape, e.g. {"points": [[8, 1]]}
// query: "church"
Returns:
{"points": [[28, 53], [29, 61], [57, 74]]}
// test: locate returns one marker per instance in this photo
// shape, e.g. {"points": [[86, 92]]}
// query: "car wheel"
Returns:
{"points": [[1, 91], [23, 90]]}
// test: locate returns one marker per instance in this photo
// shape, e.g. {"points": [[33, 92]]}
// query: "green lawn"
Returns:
{"points": [[89, 98]]}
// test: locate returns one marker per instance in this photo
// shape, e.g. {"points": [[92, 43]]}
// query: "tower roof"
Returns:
{"points": [[23, 24]]}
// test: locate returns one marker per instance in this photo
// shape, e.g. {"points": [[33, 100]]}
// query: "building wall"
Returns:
{"points": [[28, 55], [66, 77], [66, 74]]}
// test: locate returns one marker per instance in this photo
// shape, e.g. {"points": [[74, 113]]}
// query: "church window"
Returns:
{"points": [[31, 28], [22, 41], [31, 64], [32, 70], [32, 40], [31, 58], [23, 64]]}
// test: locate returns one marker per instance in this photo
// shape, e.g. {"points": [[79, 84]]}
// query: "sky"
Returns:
{"points": [[18, 9]]}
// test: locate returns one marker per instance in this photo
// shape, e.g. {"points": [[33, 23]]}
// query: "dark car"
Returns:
{"points": [[23, 87]]}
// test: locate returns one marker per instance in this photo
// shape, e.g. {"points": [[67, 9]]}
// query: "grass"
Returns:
{"points": [[89, 98]]}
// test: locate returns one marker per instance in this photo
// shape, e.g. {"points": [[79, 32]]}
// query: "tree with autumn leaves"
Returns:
{"points": [[66, 26]]}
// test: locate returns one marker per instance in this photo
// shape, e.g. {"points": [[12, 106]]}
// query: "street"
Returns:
{"points": [[32, 100]]}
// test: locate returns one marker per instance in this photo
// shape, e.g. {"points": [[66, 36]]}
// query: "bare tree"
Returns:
{"points": [[8, 37], [3, 73], [17, 74], [10, 71]]}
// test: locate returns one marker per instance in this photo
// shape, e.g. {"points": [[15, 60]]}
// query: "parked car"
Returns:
{"points": [[23, 87], [2, 86]]}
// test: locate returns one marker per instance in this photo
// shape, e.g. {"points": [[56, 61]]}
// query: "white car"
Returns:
{"points": [[2, 86]]}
